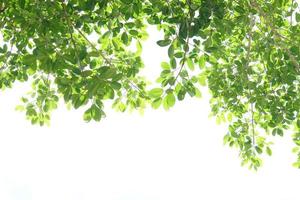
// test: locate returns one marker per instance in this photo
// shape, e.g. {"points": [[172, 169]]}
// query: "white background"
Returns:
{"points": [[174, 155]]}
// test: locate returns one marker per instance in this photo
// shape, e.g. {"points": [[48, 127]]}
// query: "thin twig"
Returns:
{"points": [[277, 35], [5, 64], [186, 42], [248, 58], [109, 61], [70, 28], [292, 12], [94, 46]]}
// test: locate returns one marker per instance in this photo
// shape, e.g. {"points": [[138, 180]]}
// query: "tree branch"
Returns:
{"points": [[70, 28], [248, 58], [186, 42], [109, 61], [277, 35]]}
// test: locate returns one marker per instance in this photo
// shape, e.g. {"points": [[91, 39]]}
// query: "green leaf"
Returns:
{"points": [[94, 54], [30, 60], [181, 94], [170, 100], [280, 132], [139, 48], [190, 64], [86, 73], [87, 116], [22, 3], [202, 62], [269, 151], [96, 113], [165, 66], [198, 93], [202, 80], [124, 38], [20, 108], [296, 164], [277, 131], [107, 72], [156, 103], [298, 123], [258, 150], [297, 17], [173, 63], [134, 32], [116, 85], [155, 93], [171, 51], [229, 117], [164, 43], [95, 60], [179, 54]]}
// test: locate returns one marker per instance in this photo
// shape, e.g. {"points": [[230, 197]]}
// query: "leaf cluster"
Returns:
{"points": [[246, 52]]}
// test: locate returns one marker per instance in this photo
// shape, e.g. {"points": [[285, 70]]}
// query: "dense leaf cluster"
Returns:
{"points": [[247, 52]]}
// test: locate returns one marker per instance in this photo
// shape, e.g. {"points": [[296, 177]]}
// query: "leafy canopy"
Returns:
{"points": [[246, 52]]}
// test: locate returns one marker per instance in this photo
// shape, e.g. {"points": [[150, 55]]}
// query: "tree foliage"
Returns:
{"points": [[246, 52]]}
